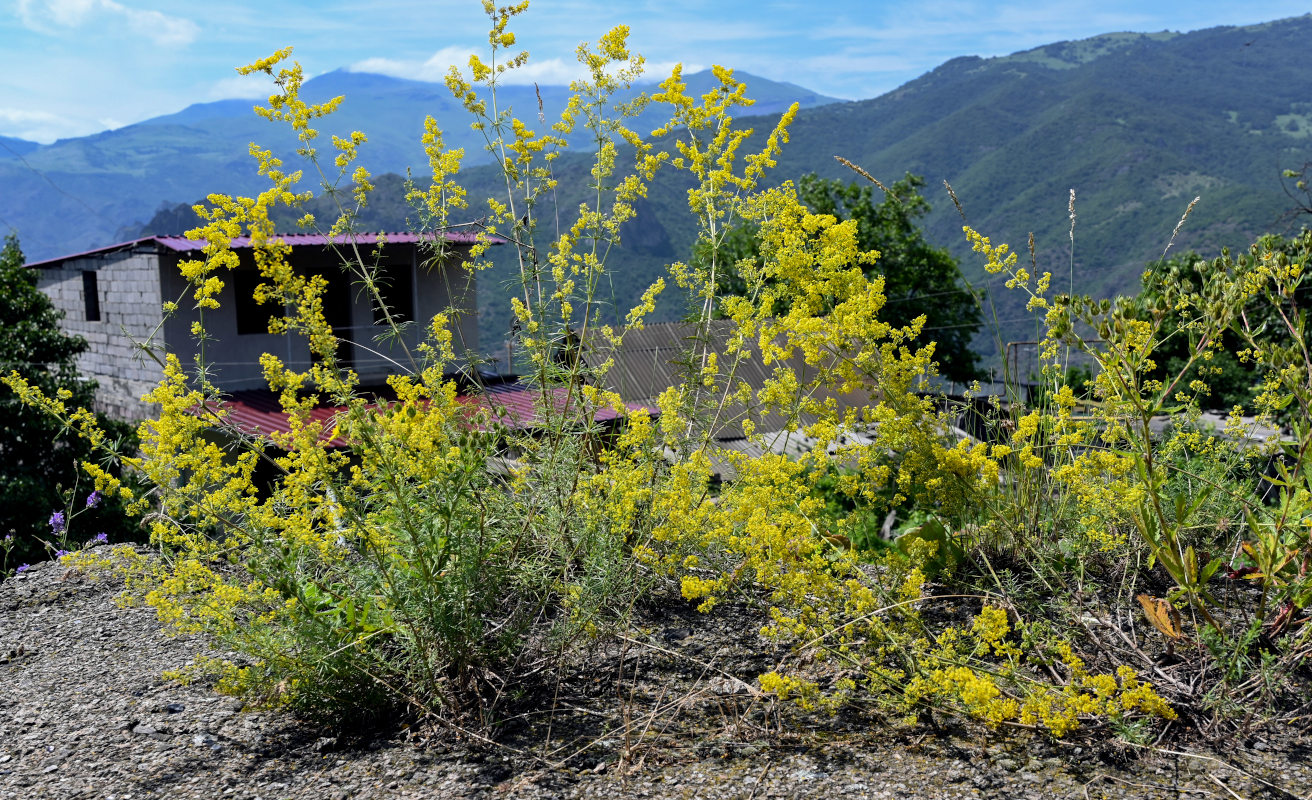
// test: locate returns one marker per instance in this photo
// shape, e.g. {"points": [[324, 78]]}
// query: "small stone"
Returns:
{"points": [[175, 708], [678, 634]]}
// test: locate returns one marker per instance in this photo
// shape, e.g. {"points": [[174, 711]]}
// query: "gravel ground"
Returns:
{"points": [[84, 713]]}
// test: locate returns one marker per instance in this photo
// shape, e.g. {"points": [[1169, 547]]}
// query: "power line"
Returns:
{"points": [[54, 185], [972, 324]]}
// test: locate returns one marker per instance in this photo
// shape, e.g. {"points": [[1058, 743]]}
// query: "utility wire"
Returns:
{"points": [[54, 185]]}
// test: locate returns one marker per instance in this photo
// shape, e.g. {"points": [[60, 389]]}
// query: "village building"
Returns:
{"points": [[113, 297]]}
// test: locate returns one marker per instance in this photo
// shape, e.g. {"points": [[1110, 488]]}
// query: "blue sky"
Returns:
{"points": [[74, 67]]}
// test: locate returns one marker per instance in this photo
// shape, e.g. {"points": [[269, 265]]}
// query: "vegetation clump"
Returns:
{"points": [[46, 503]]}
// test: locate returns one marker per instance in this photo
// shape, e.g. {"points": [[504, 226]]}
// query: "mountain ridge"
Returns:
{"points": [[1137, 124], [116, 179]]}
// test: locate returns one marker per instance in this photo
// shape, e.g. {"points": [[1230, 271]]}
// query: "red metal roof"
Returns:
{"points": [[516, 405], [257, 412], [181, 244]]}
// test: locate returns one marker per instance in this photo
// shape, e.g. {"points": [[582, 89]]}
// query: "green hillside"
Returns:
{"points": [[1137, 125]]}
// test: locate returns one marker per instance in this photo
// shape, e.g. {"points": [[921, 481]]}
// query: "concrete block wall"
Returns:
{"points": [[132, 285], [235, 358], [128, 287]]}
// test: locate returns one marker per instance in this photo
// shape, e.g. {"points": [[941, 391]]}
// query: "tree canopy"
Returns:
{"points": [[919, 278], [39, 459]]}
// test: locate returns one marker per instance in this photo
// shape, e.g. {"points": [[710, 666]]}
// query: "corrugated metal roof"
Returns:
{"points": [[649, 361], [518, 406], [257, 412], [181, 244]]}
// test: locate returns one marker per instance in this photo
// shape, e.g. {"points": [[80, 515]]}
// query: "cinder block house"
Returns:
{"points": [[113, 296]]}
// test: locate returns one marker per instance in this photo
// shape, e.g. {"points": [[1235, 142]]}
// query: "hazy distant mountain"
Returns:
{"points": [[11, 147], [114, 181]]}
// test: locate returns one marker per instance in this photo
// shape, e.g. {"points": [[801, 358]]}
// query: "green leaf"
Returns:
{"points": [[1210, 569]]}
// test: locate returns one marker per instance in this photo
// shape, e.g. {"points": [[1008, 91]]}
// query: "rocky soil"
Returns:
{"points": [[84, 713]]}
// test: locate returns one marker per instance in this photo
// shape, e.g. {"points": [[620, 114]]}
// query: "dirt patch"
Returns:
{"points": [[670, 710]]}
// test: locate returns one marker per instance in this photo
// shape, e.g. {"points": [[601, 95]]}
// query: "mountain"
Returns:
{"points": [[11, 147], [1137, 124], [111, 182]]}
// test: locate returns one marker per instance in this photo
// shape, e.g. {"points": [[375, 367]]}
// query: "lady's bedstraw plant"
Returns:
{"points": [[399, 572], [1130, 474], [396, 572], [811, 314], [1265, 288]]}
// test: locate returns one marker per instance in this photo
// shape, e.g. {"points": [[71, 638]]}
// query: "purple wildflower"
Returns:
{"points": [[60, 553], [93, 499], [22, 568], [102, 537], [57, 523]]}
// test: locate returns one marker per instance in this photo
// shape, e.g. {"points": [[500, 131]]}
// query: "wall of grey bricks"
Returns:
{"points": [[133, 285], [128, 287]]}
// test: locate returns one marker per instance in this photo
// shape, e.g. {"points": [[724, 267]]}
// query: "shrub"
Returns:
{"points": [[46, 503]]}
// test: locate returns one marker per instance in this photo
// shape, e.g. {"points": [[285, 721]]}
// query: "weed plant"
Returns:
{"points": [[403, 573]]}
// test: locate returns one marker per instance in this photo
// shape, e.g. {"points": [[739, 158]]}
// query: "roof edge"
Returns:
{"points": [[181, 244]]}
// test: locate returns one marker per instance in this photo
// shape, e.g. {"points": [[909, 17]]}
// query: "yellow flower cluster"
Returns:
{"points": [[980, 688]]}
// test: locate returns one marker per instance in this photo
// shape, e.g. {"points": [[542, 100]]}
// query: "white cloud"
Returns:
{"points": [[547, 71], [42, 126], [47, 16], [433, 69], [243, 87]]}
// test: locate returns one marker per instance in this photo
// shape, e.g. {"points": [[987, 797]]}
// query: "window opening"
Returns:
{"points": [[91, 295]]}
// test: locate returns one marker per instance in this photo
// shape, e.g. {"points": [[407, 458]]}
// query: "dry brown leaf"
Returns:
{"points": [[1162, 615]]}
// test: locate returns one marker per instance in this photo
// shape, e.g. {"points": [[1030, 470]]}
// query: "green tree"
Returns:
{"points": [[39, 459], [919, 278], [1231, 381]]}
